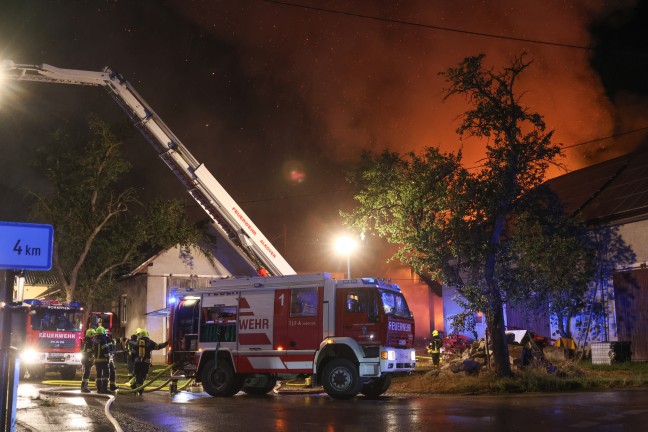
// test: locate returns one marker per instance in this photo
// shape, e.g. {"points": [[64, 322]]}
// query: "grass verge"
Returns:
{"points": [[570, 376]]}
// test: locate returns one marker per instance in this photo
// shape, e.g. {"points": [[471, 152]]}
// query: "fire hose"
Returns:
{"points": [[143, 387], [62, 391]]}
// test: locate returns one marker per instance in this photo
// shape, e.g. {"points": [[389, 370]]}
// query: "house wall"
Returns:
{"points": [[147, 291], [156, 295], [537, 321], [632, 311], [635, 235], [451, 308], [631, 292], [31, 291], [135, 290]]}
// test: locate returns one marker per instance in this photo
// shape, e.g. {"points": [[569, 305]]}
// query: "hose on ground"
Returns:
{"points": [[143, 386], [62, 391]]}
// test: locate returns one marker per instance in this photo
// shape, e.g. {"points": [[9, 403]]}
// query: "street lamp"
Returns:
{"points": [[346, 245]]}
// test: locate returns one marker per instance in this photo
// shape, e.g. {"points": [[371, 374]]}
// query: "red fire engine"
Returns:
{"points": [[350, 336], [53, 338], [103, 319]]}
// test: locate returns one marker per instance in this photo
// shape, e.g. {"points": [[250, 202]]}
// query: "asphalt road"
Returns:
{"points": [[621, 410]]}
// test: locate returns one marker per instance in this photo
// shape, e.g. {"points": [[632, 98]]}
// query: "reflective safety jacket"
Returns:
{"points": [[102, 348], [86, 349], [435, 345], [143, 346]]}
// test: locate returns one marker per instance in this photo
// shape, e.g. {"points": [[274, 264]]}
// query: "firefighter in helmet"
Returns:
{"points": [[130, 359], [102, 349], [143, 347], [87, 359], [112, 372], [434, 347]]}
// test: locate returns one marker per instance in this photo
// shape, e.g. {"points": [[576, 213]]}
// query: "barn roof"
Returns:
{"points": [[613, 191]]}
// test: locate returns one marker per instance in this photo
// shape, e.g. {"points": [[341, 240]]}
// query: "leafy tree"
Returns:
{"points": [[555, 259], [465, 227], [101, 227]]}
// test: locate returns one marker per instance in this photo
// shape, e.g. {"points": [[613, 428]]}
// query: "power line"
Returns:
{"points": [[429, 26], [607, 137], [616, 135]]}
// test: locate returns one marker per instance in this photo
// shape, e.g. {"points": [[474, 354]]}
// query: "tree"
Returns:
{"points": [[101, 228], [461, 226], [555, 258]]}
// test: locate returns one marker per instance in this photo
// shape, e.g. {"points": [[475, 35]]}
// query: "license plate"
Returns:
{"points": [[55, 354]]}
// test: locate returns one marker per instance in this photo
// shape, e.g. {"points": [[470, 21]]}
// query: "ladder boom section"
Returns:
{"points": [[197, 179]]}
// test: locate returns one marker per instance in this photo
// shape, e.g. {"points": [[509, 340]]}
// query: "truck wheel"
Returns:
{"points": [[219, 380], [377, 387], [68, 373], [35, 373], [341, 379], [262, 385]]}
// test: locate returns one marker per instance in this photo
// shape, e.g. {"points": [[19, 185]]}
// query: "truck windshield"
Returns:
{"points": [[56, 320], [394, 304], [99, 319]]}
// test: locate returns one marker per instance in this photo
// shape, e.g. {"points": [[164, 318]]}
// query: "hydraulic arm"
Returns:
{"points": [[199, 182]]}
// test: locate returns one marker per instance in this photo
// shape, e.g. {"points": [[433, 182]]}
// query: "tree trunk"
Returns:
{"points": [[496, 313], [498, 335]]}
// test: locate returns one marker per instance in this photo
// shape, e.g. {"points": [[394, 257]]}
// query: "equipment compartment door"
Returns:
{"points": [[255, 321], [299, 322]]}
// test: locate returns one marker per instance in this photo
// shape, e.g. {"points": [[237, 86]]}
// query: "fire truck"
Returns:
{"points": [[53, 338], [346, 351], [103, 319], [349, 336]]}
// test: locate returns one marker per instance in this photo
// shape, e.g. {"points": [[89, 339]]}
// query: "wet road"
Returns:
{"points": [[624, 410]]}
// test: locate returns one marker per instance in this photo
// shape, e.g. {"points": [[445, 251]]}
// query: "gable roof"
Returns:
{"points": [[613, 191], [225, 260]]}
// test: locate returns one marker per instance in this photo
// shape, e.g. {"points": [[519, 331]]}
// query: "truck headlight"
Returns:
{"points": [[29, 356], [413, 355]]}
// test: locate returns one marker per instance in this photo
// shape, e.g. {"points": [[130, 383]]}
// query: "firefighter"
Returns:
{"points": [[434, 348], [130, 356], [112, 373], [101, 349], [143, 347], [87, 359]]}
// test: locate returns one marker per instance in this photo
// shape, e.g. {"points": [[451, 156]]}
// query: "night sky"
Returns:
{"points": [[278, 101]]}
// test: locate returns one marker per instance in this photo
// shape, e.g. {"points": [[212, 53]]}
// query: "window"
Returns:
{"points": [[359, 301], [123, 310], [394, 304], [219, 324], [303, 302], [56, 320]]}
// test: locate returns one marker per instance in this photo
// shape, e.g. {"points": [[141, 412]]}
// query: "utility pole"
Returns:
{"points": [[8, 356], [23, 246]]}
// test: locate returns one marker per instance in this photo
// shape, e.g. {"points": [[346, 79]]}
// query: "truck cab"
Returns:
{"points": [[53, 338]]}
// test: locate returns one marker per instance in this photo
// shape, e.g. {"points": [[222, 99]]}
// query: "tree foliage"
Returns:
{"points": [[487, 232], [101, 227]]}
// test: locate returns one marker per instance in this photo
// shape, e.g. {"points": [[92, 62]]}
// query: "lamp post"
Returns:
{"points": [[346, 245]]}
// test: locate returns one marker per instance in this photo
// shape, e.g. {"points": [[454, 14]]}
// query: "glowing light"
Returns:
{"points": [[346, 245], [293, 172]]}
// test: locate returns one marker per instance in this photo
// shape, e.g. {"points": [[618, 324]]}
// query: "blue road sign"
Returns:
{"points": [[25, 246]]}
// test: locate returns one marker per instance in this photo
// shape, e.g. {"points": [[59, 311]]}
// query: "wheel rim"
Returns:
{"points": [[341, 379], [218, 379]]}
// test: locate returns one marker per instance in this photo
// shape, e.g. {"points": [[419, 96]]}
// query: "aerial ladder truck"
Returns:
{"points": [[350, 336]]}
